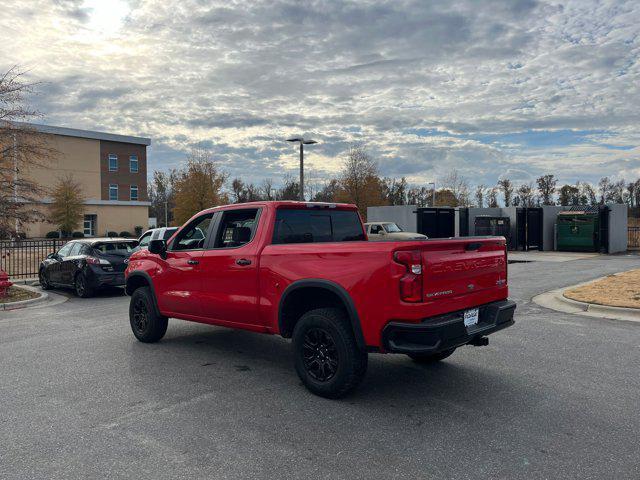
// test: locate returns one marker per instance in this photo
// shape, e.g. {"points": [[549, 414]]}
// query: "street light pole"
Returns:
{"points": [[302, 171], [302, 142], [433, 194]]}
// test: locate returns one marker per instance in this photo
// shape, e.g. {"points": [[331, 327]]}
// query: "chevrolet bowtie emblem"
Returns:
{"points": [[471, 286]]}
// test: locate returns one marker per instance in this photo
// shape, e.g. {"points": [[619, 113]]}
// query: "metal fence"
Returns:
{"points": [[633, 238], [21, 258]]}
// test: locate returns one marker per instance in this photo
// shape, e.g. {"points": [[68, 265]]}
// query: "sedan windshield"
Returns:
{"points": [[392, 228]]}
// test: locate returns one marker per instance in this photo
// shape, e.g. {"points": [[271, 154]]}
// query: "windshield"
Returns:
{"points": [[392, 228]]}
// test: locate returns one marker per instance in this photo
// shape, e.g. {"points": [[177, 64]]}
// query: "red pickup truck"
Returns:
{"points": [[306, 271]]}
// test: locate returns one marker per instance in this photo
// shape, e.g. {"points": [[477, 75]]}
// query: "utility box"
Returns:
{"points": [[493, 226], [578, 230]]}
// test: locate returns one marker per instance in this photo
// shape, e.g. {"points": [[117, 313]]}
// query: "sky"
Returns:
{"points": [[493, 88]]}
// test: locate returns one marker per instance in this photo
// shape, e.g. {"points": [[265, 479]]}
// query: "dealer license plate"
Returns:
{"points": [[470, 317]]}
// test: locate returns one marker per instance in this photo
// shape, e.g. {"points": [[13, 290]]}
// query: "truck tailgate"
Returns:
{"points": [[455, 268]]}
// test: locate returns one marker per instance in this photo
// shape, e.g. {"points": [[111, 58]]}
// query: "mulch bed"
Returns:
{"points": [[17, 294]]}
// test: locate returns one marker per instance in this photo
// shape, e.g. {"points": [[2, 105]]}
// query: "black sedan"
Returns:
{"points": [[87, 265]]}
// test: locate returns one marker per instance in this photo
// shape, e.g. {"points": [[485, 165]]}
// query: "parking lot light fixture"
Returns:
{"points": [[302, 143]]}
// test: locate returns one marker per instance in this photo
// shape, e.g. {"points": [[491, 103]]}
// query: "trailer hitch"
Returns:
{"points": [[479, 341]]}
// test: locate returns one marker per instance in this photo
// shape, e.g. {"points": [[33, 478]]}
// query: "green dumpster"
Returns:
{"points": [[578, 231]]}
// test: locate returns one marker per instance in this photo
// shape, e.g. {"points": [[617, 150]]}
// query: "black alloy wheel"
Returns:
{"points": [[44, 279], [320, 355], [140, 320]]}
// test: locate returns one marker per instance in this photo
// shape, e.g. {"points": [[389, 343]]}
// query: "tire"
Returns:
{"points": [[146, 325], [327, 358], [81, 287], [44, 279], [432, 357]]}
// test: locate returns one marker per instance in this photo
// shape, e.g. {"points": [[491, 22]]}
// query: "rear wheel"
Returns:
{"points": [[43, 276], [82, 287], [431, 357], [327, 358], [147, 326]]}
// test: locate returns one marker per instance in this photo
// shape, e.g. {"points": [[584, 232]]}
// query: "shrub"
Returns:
{"points": [[138, 230], [112, 234], [125, 234], [77, 235], [66, 234], [52, 235]]}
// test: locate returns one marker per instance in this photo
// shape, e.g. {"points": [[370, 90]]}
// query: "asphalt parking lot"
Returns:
{"points": [[555, 396]]}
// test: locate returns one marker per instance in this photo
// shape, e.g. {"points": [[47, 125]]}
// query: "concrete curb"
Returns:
{"points": [[26, 303], [555, 300]]}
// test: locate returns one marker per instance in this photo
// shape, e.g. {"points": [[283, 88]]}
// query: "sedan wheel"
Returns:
{"points": [[82, 289], [44, 279]]}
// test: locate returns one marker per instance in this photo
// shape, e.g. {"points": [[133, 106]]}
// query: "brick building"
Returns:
{"points": [[112, 170]]}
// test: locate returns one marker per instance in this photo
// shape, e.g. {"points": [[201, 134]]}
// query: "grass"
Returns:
{"points": [[17, 294], [619, 290]]}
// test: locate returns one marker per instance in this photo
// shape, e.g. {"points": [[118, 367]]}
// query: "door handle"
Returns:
{"points": [[243, 261], [193, 262]]}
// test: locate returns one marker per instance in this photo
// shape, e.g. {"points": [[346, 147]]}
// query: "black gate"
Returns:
{"points": [[529, 228], [437, 222], [604, 229], [463, 218]]}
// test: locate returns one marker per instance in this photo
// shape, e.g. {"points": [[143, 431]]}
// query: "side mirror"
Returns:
{"points": [[158, 247]]}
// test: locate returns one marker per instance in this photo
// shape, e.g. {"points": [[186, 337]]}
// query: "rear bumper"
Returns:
{"points": [[101, 278], [443, 332]]}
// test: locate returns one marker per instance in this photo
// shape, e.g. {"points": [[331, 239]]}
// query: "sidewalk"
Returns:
{"points": [[555, 300]]}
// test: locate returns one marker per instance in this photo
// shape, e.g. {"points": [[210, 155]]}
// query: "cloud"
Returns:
{"points": [[524, 87]]}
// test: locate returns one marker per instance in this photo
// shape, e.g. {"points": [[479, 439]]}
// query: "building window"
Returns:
{"points": [[89, 225], [133, 193], [133, 164], [113, 162], [113, 191]]}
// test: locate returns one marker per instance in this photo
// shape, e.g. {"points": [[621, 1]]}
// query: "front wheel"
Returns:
{"points": [[431, 357], [147, 326], [327, 358], [44, 279]]}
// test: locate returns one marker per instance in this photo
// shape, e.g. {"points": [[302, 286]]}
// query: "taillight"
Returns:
{"points": [[411, 281], [105, 264]]}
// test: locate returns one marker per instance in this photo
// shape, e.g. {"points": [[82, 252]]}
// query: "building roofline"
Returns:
{"points": [[76, 132]]}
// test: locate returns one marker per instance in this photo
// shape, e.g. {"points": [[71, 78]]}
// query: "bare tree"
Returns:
{"points": [[507, 190], [480, 195], [161, 196], [526, 195], [604, 188], [238, 191], [267, 189], [458, 186], [328, 193], [22, 149], [547, 188], [587, 194], [492, 198], [395, 191], [290, 190]]}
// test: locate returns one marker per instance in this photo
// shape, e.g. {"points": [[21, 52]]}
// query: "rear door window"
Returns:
{"points": [[317, 226]]}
